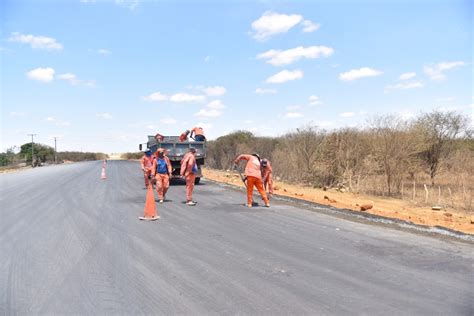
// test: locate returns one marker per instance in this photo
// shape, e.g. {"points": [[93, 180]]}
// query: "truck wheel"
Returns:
{"points": [[197, 180]]}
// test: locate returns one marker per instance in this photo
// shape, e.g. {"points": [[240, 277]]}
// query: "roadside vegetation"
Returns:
{"points": [[15, 157], [131, 156], [428, 160]]}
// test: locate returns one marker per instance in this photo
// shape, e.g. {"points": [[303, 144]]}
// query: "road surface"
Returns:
{"points": [[71, 243]]}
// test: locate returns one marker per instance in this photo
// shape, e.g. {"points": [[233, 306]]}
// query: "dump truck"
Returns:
{"points": [[176, 151]]}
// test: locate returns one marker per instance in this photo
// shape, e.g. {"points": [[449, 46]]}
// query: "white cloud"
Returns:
{"points": [[309, 26], [104, 116], [447, 99], [404, 86], [72, 79], [284, 76], [314, 100], [68, 77], [216, 105], [208, 113], [436, 72], [347, 114], [207, 58], [355, 74], [17, 114], [214, 91], [293, 107], [41, 74], [185, 97], [151, 127], [36, 42], [279, 58], [168, 121], [248, 122], [156, 96], [129, 4], [407, 75], [293, 115], [271, 23], [265, 91], [104, 51], [57, 122], [63, 123]]}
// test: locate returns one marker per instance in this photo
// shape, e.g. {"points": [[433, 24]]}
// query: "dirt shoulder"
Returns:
{"points": [[389, 207]]}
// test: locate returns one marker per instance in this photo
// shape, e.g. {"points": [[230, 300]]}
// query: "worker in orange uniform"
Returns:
{"points": [[159, 137], [189, 170], [184, 136], [198, 133], [267, 176], [147, 166], [161, 173], [253, 172]]}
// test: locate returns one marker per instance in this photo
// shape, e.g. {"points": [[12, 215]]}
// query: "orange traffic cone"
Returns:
{"points": [[103, 176], [150, 207]]}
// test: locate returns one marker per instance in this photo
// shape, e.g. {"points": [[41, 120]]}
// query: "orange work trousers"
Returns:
{"points": [[190, 186], [146, 175], [268, 184], [251, 182], [162, 184]]}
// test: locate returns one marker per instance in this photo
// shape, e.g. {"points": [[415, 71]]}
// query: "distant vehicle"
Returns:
{"points": [[176, 150]]}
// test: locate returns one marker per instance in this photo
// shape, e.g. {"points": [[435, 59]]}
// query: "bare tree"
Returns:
{"points": [[393, 146], [438, 131]]}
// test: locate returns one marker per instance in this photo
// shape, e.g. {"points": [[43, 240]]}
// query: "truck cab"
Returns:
{"points": [[176, 151]]}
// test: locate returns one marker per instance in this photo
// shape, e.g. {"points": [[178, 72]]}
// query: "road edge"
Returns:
{"points": [[362, 217]]}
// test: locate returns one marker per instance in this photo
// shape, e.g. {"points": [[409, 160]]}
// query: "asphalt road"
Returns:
{"points": [[71, 243]]}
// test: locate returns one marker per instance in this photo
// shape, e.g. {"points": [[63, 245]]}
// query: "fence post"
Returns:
{"points": [[451, 196], [439, 195], [427, 193], [414, 191], [402, 190]]}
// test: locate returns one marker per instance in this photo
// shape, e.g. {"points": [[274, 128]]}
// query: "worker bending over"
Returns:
{"points": [[161, 172], [189, 170], [267, 176], [198, 133], [184, 136], [147, 166], [253, 172]]}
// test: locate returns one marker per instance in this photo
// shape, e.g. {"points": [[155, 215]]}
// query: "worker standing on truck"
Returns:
{"points": [[159, 137], [161, 173], [184, 136], [267, 176], [189, 170], [147, 166], [198, 134], [253, 172]]}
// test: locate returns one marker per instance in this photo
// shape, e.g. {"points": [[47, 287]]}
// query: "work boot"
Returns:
{"points": [[267, 204], [190, 203], [249, 205]]}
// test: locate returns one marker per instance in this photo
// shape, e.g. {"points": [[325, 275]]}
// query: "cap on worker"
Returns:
{"points": [[256, 155], [148, 153], [264, 162]]}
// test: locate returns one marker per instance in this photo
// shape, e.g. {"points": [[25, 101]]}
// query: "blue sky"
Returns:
{"points": [[101, 75]]}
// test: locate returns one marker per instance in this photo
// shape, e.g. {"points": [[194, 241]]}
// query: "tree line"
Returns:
{"points": [[436, 148], [43, 154]]}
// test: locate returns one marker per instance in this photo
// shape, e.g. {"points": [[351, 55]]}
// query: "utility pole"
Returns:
{"points": [[32, 150], [55, 151]]}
